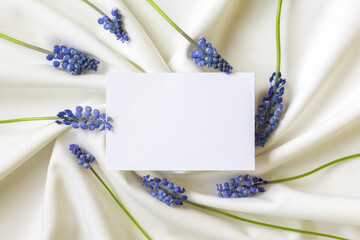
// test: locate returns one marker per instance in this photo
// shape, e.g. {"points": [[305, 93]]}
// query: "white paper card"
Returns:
{"points": [[180, 121]]}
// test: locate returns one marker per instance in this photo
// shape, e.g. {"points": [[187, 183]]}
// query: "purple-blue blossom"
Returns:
{"points": [[114, 25], [86, 119], [83, 157], [72, 60], [207, 55], [269, 112], [164, 190], [242, 186]]}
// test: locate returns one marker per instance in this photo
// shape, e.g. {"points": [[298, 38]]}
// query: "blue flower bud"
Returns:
{"points": [[115, 25], [81, 155], [56, 49], [163, 190], [84, 121], [69, 59], [206, 55], [56, 63], [114, 11], [49, 57], [268, 113], [242, 186]]}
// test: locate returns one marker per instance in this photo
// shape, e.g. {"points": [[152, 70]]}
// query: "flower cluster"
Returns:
{"points": [[71, 59], [88, 119], [208, 56], [242, 186], [163, 190], [84, 158], [268, 114], [114, 25]]}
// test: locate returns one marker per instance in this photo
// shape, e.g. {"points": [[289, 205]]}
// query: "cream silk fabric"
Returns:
{"points": [[44, 194]]}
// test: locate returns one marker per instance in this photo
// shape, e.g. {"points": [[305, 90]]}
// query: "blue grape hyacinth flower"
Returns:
{"points": [[163, 190], [85, 119], [268, 113], [208, 56], [83, 157], [242, 186], [72, 60], [114, 25]]}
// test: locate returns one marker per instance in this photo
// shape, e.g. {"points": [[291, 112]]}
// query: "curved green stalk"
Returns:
{"points": [[278, 57], [24, 44], [261, 223], [315, 170], [94, 7], [28, 119], [156, 7], [119, 203], [278, 49], [135, 65]]}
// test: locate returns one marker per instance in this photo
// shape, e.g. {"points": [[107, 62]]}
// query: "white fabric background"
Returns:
{"points": [[45, 195]]}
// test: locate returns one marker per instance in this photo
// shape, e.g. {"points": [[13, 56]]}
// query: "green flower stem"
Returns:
{"points": [[261, 223], [135, 65], [94, 7], [171, 22], [315, 170], [119, 203], [24, 44], [278, 58], [28, 119], [278, 49]]}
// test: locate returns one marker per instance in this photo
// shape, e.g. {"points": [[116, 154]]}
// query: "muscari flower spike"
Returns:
{"points": [[242, 186], [208, 56], [269, 111], [83, 157], [114, 25], [88, 119], [163, 190], [72, 60]]}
